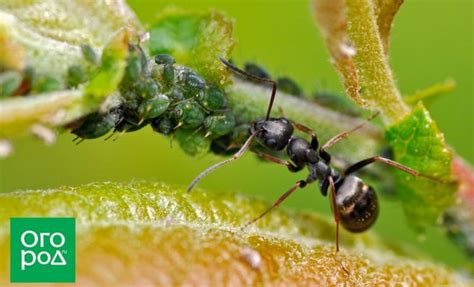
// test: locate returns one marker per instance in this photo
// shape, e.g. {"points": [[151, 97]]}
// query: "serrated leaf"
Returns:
{"points": [[418, 143], [195, 39]]}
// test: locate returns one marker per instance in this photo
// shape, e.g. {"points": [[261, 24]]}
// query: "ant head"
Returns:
{"points": [[273, 133], [357, 204]]}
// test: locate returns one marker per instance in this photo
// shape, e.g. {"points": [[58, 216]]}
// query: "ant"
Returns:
{"points": [[354, 203]]}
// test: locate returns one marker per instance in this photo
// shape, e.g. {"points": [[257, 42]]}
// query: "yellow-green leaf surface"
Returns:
{"points": [[418, 143], [155, 234], [196, 40]]}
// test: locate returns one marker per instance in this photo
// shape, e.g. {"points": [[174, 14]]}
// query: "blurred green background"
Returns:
{"points": [[431, 41]]}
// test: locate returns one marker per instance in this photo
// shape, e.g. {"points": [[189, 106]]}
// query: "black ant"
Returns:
{"points": [[354, 203]]}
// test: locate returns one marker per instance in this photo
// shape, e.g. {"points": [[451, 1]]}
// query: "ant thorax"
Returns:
{"points": [[321, 170]]}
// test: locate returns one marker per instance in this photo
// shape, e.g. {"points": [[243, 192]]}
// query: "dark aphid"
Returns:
{"points": [[9, 83], [45, 84], [163, 125], [153, 107], [288, 86], [192, 83], [219, 125], [188, 114], [89, 54], [97, 124], [130, 121], [131, 100], [176, 94], [335, 102], [135, 66], [163, 59], [213, 99], [354, 203], [256, 70], [76, 75], [230, 143]]}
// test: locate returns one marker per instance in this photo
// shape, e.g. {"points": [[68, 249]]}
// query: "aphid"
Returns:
{"points": [[219, 125], [9, 83], [76, 75], [332, 101], [130, 121], [188, 114], [163, 125], [153, 107], [89, 54], [288, 86], [256, 70], [167, 62], [191, 82], [96, 125], [45, 84], [176, 94], [231, 142], [163, 59], [354, 203], [213, 99]]}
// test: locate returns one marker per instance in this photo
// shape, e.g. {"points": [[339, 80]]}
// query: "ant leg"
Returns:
{"points": [[237, 155], [253, 77], [363, 163], [299, 184], [291, 167], [337, 216], [345, 134]]}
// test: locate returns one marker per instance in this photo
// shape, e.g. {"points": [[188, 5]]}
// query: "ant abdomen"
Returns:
{"points": [[357, 204]]}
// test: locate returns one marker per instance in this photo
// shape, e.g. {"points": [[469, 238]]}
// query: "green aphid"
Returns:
{"points": [[133, 70], [45, 84], [153, 107], [96, 125], [76, 75], [176, 94], [192, 142], [188, 114], [163, 59], [163, 125], [89, 54], [192, 83], [213, 99], [336, 102], [288, 86], [256, 70], [9, 83], [168, 74], [150, 88], [219, 125]]}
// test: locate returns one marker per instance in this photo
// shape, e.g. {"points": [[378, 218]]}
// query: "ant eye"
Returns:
{"points": [[357, 204]]}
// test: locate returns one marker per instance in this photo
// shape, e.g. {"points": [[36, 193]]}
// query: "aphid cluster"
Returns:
{"points": [[166, 96]]}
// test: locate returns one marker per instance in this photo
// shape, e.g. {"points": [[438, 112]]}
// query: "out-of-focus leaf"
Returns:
{"points": [[149, 234], [51, 31], [111, 69], [196, 40], [418, 143]]}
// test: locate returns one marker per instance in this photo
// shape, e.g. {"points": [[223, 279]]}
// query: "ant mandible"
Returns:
{"points": [[354, 203]]}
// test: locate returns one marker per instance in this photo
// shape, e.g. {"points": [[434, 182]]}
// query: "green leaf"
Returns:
{"points": [[195, 39], [418, 143], [154, 231], [51, 31]]}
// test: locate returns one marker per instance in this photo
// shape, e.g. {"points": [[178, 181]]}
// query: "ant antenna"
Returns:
{"points": [[253, 77], [237, 155]]}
